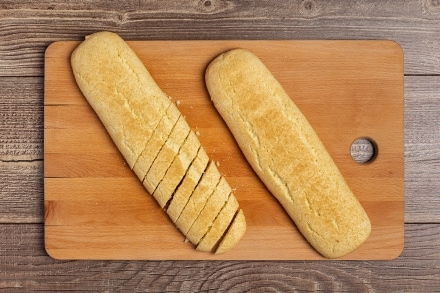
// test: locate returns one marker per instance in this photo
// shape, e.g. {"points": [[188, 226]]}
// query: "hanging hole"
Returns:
{"points": [[363, 150]]}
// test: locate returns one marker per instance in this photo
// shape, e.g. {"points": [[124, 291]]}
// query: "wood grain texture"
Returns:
{"points": [[21, 119], [422, 148], [343, 74], [21, 152], [28, 27], [26, 267], [21, 149], [414, 24]]}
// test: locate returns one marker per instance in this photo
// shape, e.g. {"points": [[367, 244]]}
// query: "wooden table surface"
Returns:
{"points": [[26, 29]]}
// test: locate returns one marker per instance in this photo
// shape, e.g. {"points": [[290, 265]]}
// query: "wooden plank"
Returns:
{"points": [[422, 149], [361, 82], [22, 193], [21, 118], [26, 267], [413, 24], [21, 149]]}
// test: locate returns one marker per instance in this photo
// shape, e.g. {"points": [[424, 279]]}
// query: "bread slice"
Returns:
{"points": [[155, 143], [211, 210], [186, 188], [166, 156], [219, 225], [177, 170], [234, 233], [199, 197], [286, 153], [148, 129]]}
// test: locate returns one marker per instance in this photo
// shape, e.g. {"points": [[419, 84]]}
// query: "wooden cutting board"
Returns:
{"points": [[95, 207]]}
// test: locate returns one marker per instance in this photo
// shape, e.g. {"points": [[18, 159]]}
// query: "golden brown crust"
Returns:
{"points": [[105, 56], [204, 189], [189, 182], [155, 143], [234, 233], [147, 128], [177, 170], [219, 225], [286, 153], [212, 208], [166, 156]]}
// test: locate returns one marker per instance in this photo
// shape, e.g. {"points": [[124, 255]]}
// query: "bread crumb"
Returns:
{"points": [[178, 102], [217, 163]]}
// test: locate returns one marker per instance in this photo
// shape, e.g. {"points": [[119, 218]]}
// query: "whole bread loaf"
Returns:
{"points": [[155, 139], [286, 153]]}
